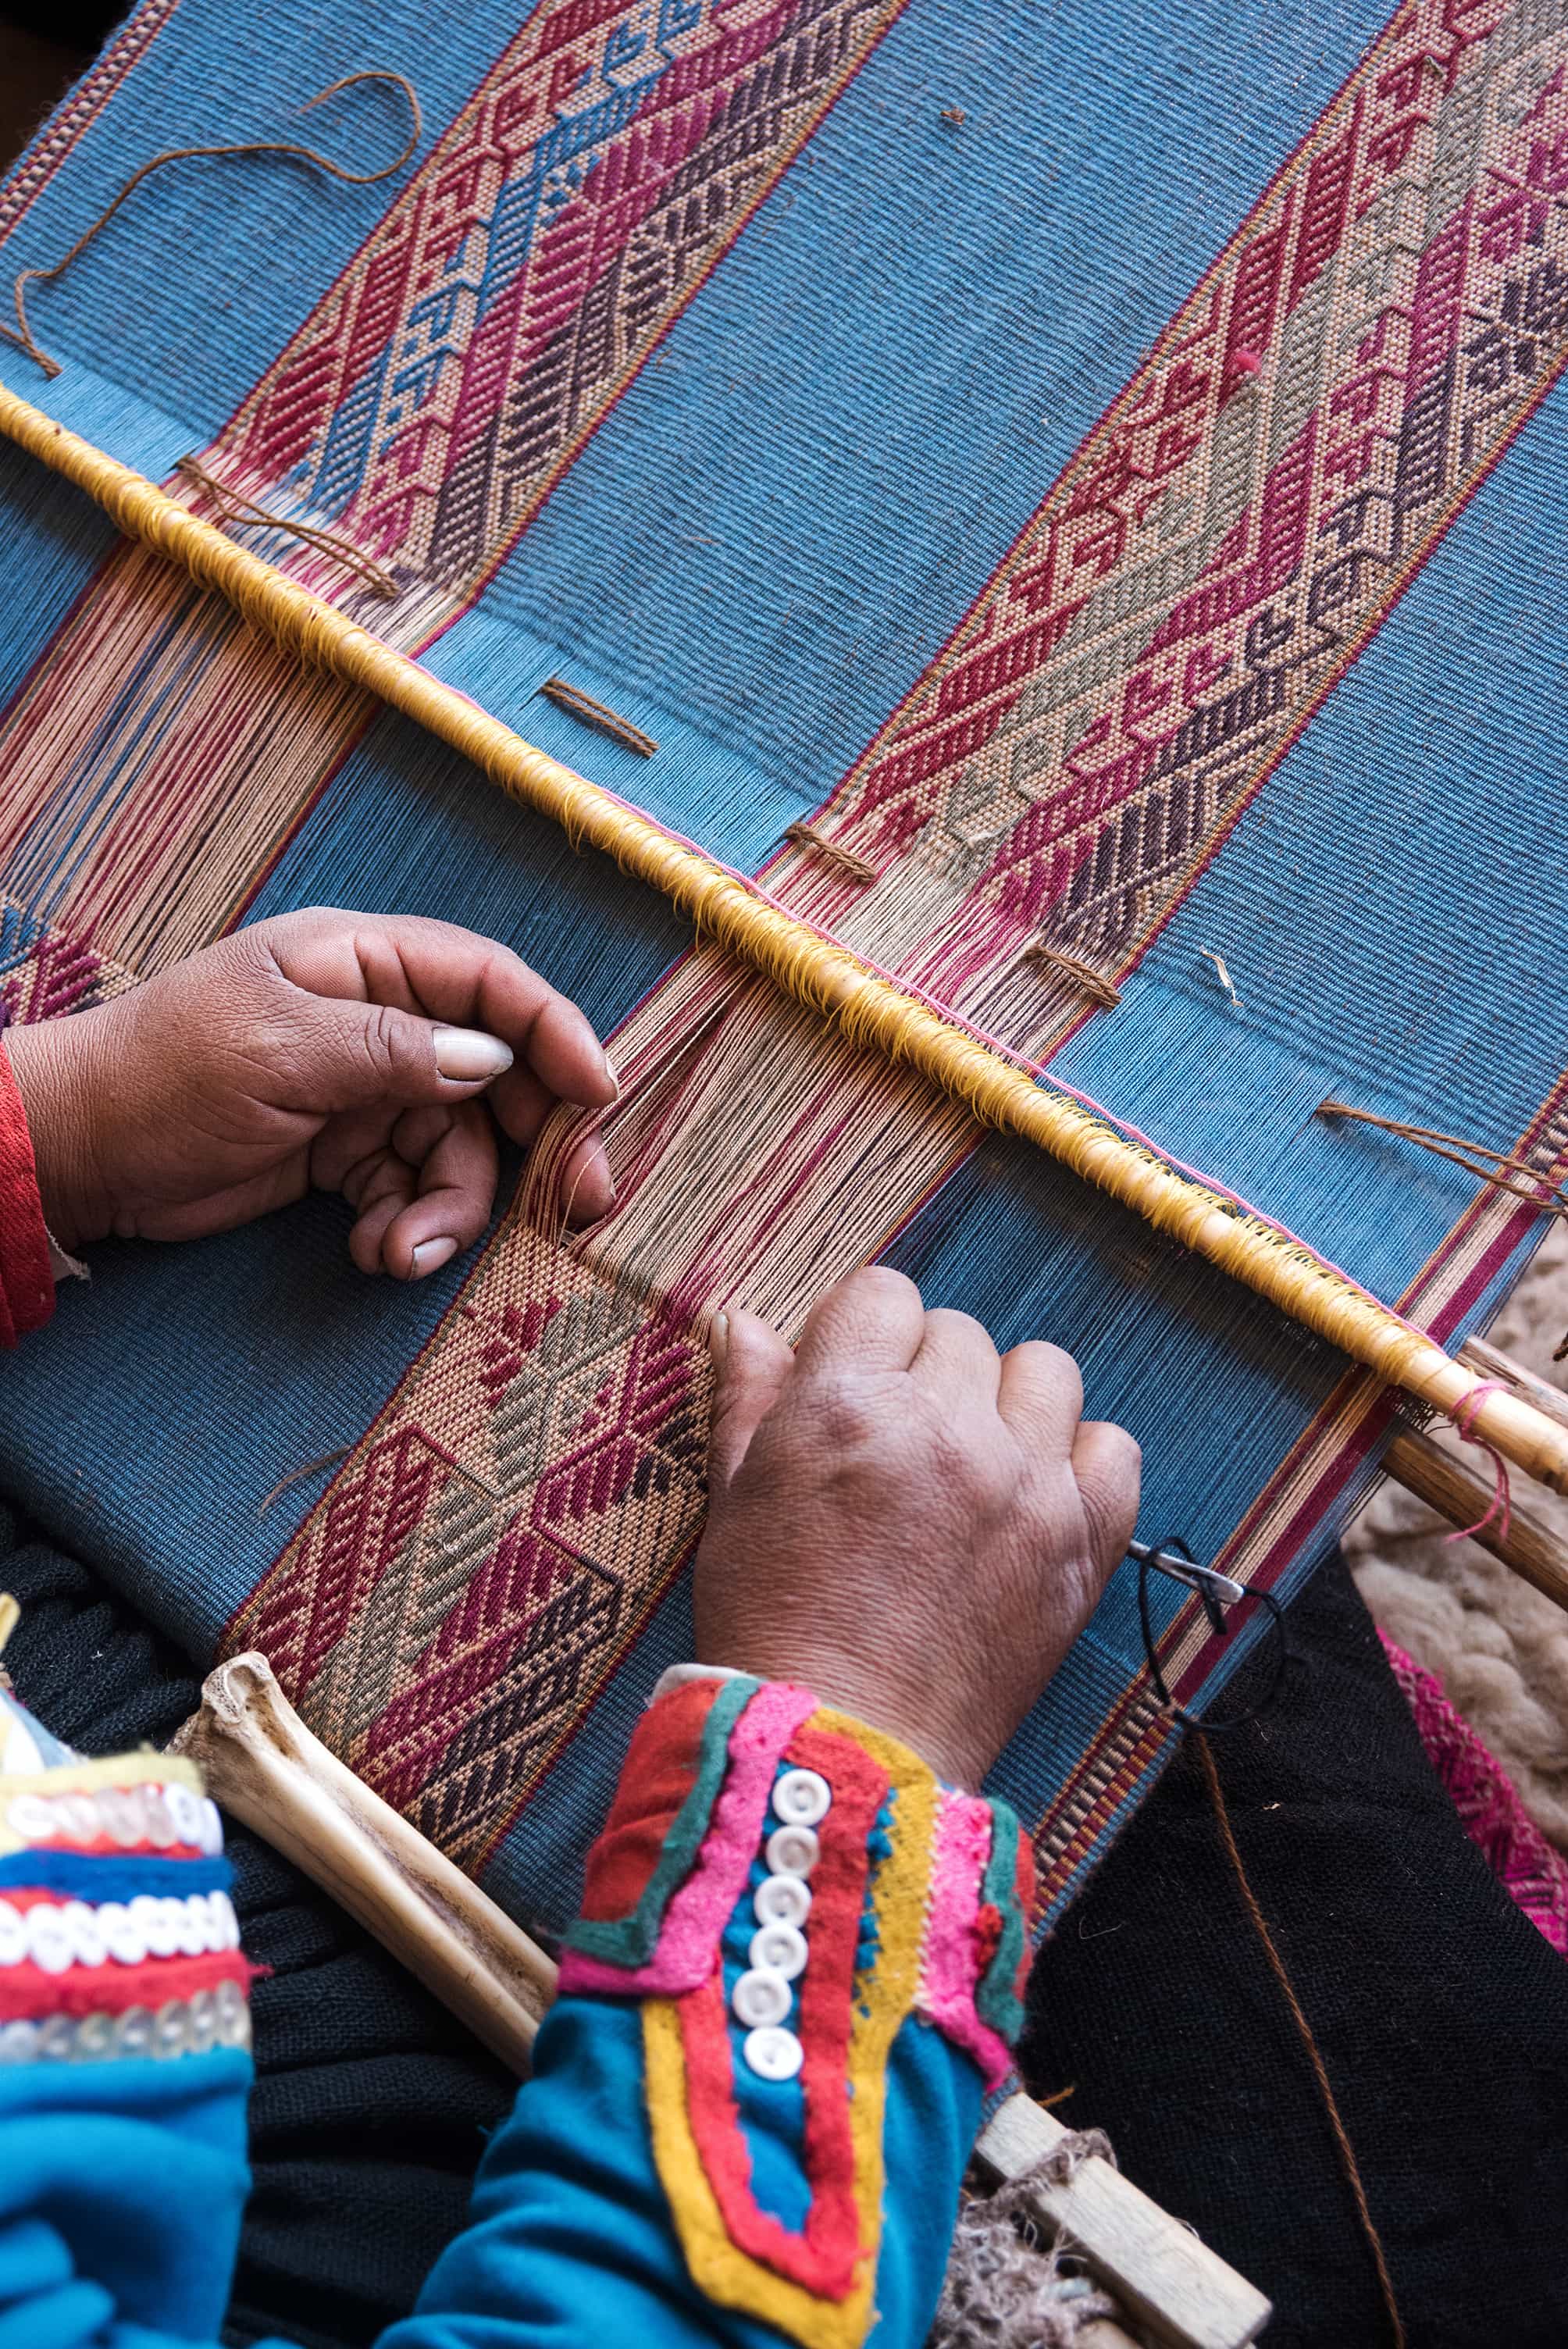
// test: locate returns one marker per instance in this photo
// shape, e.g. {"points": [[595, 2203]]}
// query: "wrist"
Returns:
{"points": [[958, 1753], [56, 1066]]}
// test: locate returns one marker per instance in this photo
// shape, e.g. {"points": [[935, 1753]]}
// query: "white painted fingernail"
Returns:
{"points": [[468, 1054], [431, 1254]]}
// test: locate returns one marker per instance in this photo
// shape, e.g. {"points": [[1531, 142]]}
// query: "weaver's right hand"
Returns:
{"points": [[903, 1520]]}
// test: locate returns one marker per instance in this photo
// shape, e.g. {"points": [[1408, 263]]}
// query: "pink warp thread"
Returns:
{"points": [[1463, 1417]]}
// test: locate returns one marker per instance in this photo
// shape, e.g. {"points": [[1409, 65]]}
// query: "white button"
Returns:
{"points": [[204, 2022], [13, 1935], [170, 2029], [94, 2039], [125, 1944], [782, 1900], [120, 1812], [792, 1851], [32, 1817], [185, 1809], [778, 1949], [89, 1946], [802, 1797], [194, 1925], [223, 1908], [48, 1939], [157, 1818], [133, 2031], [56, 2039], [212, 1830], [773, 2053], [77, 1816], [18, 2042], [761, 1995]]}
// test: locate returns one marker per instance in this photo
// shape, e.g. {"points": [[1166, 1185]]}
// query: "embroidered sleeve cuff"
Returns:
{"points": [[27, 1279], [784, 1887]]}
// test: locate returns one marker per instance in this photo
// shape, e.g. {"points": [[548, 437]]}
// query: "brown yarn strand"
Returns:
{"points": [[22, 332], [233, 507], [854, 867], [1320, 2071], [1083, 975], [1475, 1157], [599, 715]]}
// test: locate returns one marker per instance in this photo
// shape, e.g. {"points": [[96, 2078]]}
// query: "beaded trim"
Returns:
{"points": [[220, 2017]]}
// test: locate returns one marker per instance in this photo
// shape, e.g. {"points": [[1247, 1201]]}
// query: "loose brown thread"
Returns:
{"points": [[854, 867], [599, 715], [235, 508], [23, 333], [1347, 2160], [1083, 974], [1536, 1188]]}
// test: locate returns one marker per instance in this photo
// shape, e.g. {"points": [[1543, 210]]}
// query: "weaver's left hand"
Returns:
{"points": [[334, 1051]]}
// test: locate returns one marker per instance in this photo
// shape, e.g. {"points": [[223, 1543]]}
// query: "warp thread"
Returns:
{"points": [[1083, 974], [1005, 2286], [232, 507], [1343, 2146], [22, 333], [1537, 1188]]}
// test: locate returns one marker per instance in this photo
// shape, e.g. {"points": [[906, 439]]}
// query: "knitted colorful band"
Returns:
{"points": [[117, 1936], [911, 1899]]}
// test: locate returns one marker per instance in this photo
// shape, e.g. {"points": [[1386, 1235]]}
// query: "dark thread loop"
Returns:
{"points": [[1157, 1678]]}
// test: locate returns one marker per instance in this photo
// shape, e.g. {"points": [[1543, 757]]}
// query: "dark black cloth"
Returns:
{"points": [[371, 2104], [1439, 2010]]}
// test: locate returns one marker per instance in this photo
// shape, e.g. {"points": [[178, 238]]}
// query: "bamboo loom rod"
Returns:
{"points": [[872, 1010]]}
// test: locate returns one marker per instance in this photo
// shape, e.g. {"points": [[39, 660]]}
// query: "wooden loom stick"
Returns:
{"points": [[265, 1767], [872, 1010], [1432, 1473]]}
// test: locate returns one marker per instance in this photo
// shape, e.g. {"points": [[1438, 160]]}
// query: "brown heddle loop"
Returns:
{"points": [[1493, 1166], [1083, 974], [599, 715], [22, 332], [1320, 2071], [854, 867], [245, 511]]}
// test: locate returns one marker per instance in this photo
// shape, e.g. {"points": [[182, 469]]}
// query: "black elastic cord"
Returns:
{"points": [[1157, 1678]]}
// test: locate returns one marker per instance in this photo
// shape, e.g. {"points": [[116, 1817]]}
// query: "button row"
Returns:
{"points": [[212, 2018], [57, 1936], [781, 1903], [127, 1815]]}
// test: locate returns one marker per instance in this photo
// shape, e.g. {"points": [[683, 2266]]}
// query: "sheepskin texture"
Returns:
{"points": [[1499, 1647]]}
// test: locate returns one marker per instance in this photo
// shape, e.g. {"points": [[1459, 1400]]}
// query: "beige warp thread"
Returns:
{"points": [[875, 1013], [1009, 2288], [232, 507], [23, 333]]}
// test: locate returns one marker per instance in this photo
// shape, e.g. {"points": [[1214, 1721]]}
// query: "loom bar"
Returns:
{"points": [[826, 977]]}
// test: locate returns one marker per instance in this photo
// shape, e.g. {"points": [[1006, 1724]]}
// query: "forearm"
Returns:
{"points": [[654, 2183]]}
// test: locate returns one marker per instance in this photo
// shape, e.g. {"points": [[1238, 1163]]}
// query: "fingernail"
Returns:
{"points": [[612, 1071], [431, 1254], [718, 1340], [468, 1054]]}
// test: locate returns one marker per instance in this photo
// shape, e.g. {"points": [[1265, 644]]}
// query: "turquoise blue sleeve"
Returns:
{"points": [[572, 2245]]}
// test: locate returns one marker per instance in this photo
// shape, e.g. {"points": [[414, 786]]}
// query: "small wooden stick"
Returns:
{"points": [[1483, 1356], [1424, 1467], [1184, 2294], [263, 1763]]}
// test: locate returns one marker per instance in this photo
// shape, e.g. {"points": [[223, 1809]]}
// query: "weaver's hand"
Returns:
{"points": [[903, 1520], [339, 1051]]}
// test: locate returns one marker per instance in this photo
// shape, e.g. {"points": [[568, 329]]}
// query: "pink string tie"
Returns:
{"points": [[1500, 1503]]}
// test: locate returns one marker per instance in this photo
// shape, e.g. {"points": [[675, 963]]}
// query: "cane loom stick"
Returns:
{"points": [[872, 1008], [265, 1767], [263, 1764], [1424, 1468]]}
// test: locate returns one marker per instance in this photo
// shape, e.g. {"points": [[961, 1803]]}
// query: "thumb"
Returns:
{"points": [[751, 1363], [359, 1055]]}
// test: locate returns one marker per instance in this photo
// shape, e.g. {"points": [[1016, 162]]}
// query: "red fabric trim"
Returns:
{"points": [[660, 1766], [28, 1994], [825, 2256], [26, 1283]]}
